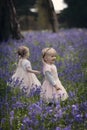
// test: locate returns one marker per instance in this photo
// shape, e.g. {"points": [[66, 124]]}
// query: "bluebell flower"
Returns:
{"points": [[58, 128]]}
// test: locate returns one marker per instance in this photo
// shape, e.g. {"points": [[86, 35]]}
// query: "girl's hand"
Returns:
{"points": [[57, 88]]}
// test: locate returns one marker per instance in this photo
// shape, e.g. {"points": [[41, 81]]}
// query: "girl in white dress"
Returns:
{"points": [[51, 87], [24, 73]]}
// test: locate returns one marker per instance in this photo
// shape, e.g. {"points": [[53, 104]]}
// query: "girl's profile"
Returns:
{"points": [[24, 73], [52, 86]]}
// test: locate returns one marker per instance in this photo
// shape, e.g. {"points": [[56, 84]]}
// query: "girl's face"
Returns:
{"points": [[50, 57]]}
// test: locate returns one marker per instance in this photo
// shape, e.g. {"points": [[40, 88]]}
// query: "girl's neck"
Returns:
{"points": [[23, 58], [48, 63]]}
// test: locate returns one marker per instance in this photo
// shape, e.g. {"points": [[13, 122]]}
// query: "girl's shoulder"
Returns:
{"points": [[25, 62], [47, 67], [53, 65]]}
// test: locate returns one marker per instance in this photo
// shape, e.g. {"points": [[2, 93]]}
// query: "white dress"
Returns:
{"points": [[48, 90], [24, 78]]}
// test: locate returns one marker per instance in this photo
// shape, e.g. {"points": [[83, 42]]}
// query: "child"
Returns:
{"points": [[51, 87], [24, 72]]}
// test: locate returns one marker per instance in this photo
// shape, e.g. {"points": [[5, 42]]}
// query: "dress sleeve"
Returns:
{"points": [[46, 67], [26, 64], [50, 78]]}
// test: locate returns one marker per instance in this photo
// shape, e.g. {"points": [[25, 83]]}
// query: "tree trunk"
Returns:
{"points": [[9, 26], [52, 16], [47, 14]]}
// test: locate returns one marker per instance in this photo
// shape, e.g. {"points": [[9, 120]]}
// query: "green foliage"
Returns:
{"points": [[3, 87]]}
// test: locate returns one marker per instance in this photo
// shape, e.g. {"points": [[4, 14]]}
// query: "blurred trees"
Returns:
{"points": [[14, 13], [47, 18], [9, 19], [75, 15], [9, 25], [23, 6], [26, 17]]}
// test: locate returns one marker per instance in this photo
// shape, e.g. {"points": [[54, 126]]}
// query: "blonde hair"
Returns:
{"points": [[23, 51], [47, 51]]}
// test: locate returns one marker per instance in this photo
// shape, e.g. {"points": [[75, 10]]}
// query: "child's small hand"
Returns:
{"points": [[57, 88]]}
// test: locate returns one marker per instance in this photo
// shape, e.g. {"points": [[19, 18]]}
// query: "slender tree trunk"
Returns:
{"points": [[52, 16], [9, 26], [47, 14]]}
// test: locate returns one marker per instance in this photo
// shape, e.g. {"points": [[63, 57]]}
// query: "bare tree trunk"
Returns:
{"points": [[9, 26], [47, 14], [52, 16]]}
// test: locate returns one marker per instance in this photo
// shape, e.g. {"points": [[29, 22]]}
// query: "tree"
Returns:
{"points": [[47, 15], [9, 26], [23, 6]]}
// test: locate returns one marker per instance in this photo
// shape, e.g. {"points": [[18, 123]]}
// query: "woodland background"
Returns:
{"points": [[16, 16]]}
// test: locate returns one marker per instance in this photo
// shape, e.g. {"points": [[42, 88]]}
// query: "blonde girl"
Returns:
{"points": [[51, 87], [24, 73]]}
